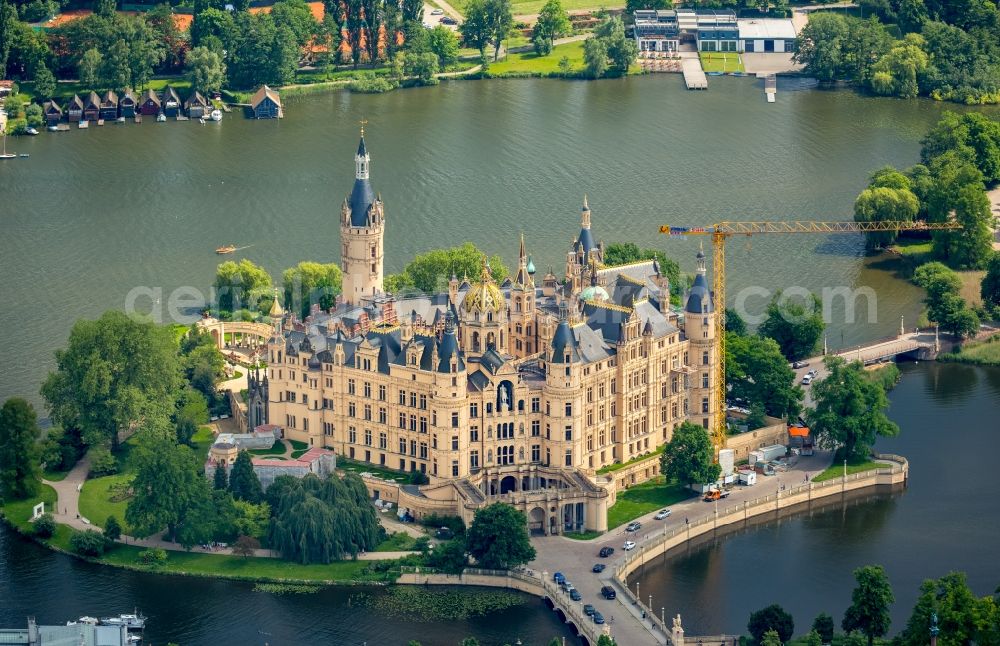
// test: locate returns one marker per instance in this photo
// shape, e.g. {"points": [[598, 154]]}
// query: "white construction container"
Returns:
{"points": [[727, 460], [756, 456], [773, 452], [748, 478]]}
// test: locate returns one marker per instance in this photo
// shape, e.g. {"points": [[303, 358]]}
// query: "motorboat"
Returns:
{"points": [[216, 115], [53, 128], [229, 248], [134, 621], [160, 118], [31, 131], [90, 621]]}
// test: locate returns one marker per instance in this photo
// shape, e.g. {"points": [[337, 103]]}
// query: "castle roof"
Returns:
{"points": [[362, 198]]}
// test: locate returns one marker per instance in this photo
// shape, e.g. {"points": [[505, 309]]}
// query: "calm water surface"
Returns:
{"points": [[92, 214], [947, 519]]}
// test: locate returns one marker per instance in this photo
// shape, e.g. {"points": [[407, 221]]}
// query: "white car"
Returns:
{"points": [[629, 545], [663, 513], [437, 12], [807, 380]]}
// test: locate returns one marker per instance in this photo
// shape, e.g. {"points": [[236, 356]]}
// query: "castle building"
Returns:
{"points": [[549, 396]]}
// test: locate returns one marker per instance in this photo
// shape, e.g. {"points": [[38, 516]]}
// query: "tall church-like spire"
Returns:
{"points": [[362, 230]]}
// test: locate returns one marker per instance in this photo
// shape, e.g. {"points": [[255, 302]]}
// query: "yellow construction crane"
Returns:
{"points": [[723, 230]]}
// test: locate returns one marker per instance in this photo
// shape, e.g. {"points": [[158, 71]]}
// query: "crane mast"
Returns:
{"points": [[720, 232]]}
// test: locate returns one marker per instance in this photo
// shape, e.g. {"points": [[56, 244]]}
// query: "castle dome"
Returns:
{"points": [[594, 293], [484, 295]]}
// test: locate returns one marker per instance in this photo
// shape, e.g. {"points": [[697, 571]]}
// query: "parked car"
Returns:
{"points": [[575, 595], [559, 578], [436, 12], [799, 364], [629, 545], [606, 552], [663, 513], [448, 20], [813, 373], [445, 533], [588, 609], [608, 592], [598, 568], [807, 380], [633, 526], [567, 586], [598, 617]]}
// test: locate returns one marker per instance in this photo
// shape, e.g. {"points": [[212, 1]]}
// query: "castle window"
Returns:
{"points": [[383, 441], [704, 380], [474, 460], [454, 420], [536, 452], [536, 428], [454, 468], [704, 358], [368, 437], [351, 409], [590, 442], [535, 404], [402, 445], [402, 421], [474, 434], [352, 434], [423, 424], [423, 450], [454, 442], [614, 385], [350, 387], [413, 422], [569, 457], [368, 412], [413, 400], [381, 392], [423, 402], [402, 398], [382, 415], [327, 428], [569, 433], [473, 410], [305, 423], [704, 404]]}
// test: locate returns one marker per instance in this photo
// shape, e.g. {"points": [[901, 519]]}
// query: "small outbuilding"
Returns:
{"points": [[266, 104], [170, 102], [150, 104], [127, 104], [92, 107], [53, 112], [196, 106], [74, 109], [109, 106]]}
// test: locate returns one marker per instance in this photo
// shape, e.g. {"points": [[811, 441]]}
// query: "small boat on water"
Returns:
{"points": [[31, 131], [5, 154], [229, 248], [134, 621], [23, 155], [53, 128], [160, 118], [216, 115], [90, 621]]}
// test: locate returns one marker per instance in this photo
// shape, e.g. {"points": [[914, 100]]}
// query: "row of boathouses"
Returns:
{"points": [[265, 104]]}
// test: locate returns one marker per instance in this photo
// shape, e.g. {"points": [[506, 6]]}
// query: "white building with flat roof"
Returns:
{"points": [[760, 35]]}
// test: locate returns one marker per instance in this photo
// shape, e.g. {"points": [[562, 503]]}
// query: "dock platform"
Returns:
{"points": [[83, 124], [694, 75], [770, 87]]}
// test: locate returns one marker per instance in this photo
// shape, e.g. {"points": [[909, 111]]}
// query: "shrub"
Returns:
{"points": [[434, 521], [102, 463], [372, 85], [88, 543], [33, 114], [45, 526], [154, 556], [823, 625], [774, 618], [112, 528]]}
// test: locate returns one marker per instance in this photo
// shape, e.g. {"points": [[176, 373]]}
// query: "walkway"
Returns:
{"points": [[67, 511], [576, 558]]}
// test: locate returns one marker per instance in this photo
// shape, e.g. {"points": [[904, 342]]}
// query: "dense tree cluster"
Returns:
{"points": [[945, 305], [609, 52], [18, 450], [553, 22], [757, 372], [624, 253], [949, 49], [689, 456], [319, 521], [487, 23], [498, 538], [431, 271], [796, 327]]}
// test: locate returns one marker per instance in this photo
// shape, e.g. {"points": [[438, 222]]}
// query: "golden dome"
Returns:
{"points": [[484, 295]]}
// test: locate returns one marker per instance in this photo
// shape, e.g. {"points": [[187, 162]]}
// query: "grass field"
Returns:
{"points": [[529, 62], [397, 542], [351, 466], [622, 465], [583, 536], [18, 512], [984, 353], [95, 499], [837, 468], [644, 498], [277, 449], [722, 62]]}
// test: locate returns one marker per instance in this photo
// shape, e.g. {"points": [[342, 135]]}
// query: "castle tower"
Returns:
{"points": [[699, 326], [484, 316], [523, 340], [362, 231], [583, 254]]}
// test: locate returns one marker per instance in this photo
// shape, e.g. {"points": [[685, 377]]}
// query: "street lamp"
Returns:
{"points": [[637, 593], [845, 468]]}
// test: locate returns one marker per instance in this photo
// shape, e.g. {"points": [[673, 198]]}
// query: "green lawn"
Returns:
{"points": [[583, 536], [837, 468], [644, 498], [278, 448], [18, 512], [983, 353], [397, 542], [299, 446], [298, 454], [95, 499], [523, 7], [722, 62], [203, 439], [530, 62], [352, 466], [622, 465]]}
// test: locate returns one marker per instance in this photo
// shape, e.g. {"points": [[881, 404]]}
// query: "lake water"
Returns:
{"points": [[93, 214]]}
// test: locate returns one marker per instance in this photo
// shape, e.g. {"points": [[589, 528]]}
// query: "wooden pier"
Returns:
{"points": [[770, 87], [694, 75]]}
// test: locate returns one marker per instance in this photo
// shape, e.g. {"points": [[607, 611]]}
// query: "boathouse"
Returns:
{"points": [[74, 109], [92, 107], [150, 104], [196, 106], [127, 104], [109, 106], [766, 35], [170, 102], [53, 113], [266, 104]]}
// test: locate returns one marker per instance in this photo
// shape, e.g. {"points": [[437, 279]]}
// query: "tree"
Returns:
{"points": [[688, 458], [115, 373], [961, 617], [242, 285], [45, 82], [500, 21], [19, 432], [252, 519], [89, 68], [632, 5], [169, 484], [605, 640], [102, 463], [898, 72], [423, 67], [944, 304], [44, 526], [595, 57], [206, 70], [220, 479], [476, 28], [796, 328], [89, 543], [757, 372], [498, 538], [553, 22], [160, 20], [449, 557], [311, 283], [624, 253], [823, 626], [8, 25], [850, 410], [735, 323], [812, 638], [296, 15], [989, 288], [430, 271], [770, 638], [622, 51], [882, 203], [243, 481], [772, 618], [820, 46], [112, 528], [443, 42], [869, 610], [246, 546], [974, 136]]}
